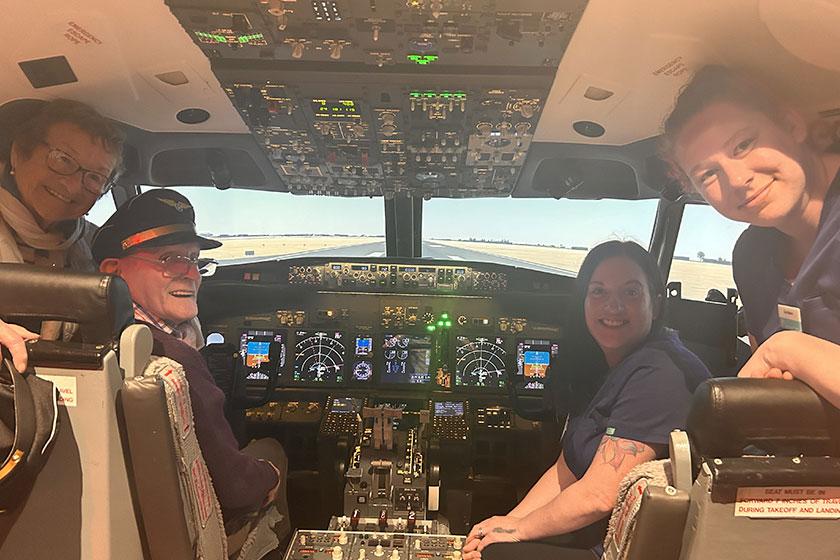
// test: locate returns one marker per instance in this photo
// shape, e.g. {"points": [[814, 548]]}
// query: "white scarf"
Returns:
{"points": [[17, 222], [15, 218]]}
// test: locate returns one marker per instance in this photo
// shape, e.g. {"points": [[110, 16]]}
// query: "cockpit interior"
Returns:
{"points": [[404, 375]]}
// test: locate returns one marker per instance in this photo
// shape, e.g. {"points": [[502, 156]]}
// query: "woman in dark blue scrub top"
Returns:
{"points": [[752, 159], [627, 382]]}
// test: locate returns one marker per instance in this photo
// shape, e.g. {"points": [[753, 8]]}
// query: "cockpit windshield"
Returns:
{"points": [[549, 235], [256, 225]]}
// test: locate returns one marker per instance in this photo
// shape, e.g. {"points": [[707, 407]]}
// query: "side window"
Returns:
{"points": [[102, 210], [703, 255]]}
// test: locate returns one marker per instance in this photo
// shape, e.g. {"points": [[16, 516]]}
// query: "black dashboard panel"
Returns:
{"points": [[414, 326]]}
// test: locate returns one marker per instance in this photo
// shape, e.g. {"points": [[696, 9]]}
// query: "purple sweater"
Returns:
{"points": [[241, 481]]}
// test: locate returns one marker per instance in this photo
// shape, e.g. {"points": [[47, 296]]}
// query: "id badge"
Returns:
{"points": [[790, 318]]}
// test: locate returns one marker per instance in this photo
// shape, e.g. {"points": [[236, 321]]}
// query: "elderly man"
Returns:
{"points": [[152, 244]]}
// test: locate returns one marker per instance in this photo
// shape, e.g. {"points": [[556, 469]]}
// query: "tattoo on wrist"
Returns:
{"points": [[503, 530], [613, 450]]}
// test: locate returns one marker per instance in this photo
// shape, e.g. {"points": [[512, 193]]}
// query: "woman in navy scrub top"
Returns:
{"points": [[751, 158], [627, 382]]}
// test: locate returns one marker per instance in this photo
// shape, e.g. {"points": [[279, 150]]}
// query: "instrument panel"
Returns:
{"points": [[331, 359], [313, 324]]}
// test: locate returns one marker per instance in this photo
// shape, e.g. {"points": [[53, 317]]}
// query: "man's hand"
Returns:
{"points": [[501, 528], [14, 338]]}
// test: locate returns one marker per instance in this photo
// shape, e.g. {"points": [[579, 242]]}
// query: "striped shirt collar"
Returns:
{"points": [[150, 318]]}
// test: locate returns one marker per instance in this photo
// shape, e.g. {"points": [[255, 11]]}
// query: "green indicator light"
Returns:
{"points": [[444, 316], [422, 59], [430, 328], [448, 324], [440, 323], [248, 38]]}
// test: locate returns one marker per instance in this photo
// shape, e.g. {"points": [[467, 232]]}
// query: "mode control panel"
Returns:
{"points": [[383, 277]]}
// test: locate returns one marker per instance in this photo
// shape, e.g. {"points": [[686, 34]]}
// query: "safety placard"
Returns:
{"points": [[788, 502], [66, 385]]}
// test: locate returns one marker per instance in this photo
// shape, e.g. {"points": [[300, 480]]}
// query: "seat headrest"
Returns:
{"points": [[100, 304], [777, 416]]}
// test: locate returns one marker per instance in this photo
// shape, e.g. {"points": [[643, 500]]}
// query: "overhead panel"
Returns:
{"points": [[431, 98]]}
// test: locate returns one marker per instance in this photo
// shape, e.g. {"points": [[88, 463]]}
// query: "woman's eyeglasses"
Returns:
{"points": [[176, 266], [63, 163]]}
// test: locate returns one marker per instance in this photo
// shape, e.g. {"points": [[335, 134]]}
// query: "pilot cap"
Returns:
{"points": [[155, 218]]}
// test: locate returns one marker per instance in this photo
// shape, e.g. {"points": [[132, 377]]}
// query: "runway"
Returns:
{"points": [[430, 249]]}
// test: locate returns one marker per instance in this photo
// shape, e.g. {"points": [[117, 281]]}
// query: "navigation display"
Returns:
{"points": [[407, 358], [533, 358], [480, 362], [449, 408], [259, 356], [319, 358]]}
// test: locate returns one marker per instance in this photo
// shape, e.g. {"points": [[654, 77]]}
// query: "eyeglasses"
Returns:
{"points": [[64, 164], [176, 266]]}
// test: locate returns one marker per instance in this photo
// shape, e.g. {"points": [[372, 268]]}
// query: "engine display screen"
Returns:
{"points": [[407, 358], [319, 358], [449, 408], [262, 352], [533, 358]]}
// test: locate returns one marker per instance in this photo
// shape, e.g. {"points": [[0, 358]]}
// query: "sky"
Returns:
{"points": [[569, 223]]}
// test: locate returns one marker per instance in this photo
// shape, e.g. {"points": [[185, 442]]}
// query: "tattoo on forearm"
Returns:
{"points": [[503, 530], [613, 450]]}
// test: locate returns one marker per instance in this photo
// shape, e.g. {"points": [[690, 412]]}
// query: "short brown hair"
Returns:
{"points": [[713, 84], [30, 132]]}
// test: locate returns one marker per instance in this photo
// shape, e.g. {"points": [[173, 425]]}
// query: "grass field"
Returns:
{"points": [[696, 277]]}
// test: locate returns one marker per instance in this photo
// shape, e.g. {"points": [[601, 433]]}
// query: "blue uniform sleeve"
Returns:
{"points": [[653, 402]]}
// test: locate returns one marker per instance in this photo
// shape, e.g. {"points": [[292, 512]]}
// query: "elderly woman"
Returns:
{"points": [[55, 164], [751, 157], [627, 382]]}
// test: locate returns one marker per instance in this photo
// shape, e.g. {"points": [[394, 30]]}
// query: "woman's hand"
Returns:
{"points": [[796, 355], [14, 338], [772, 359], [500, 528]]}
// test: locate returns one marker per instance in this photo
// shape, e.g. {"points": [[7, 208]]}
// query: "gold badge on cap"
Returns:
{"points": [[176, 204]]}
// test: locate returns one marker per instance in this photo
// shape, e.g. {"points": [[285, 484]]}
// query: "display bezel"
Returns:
{"points": [[279, 352], [531, 383], [509, 361], [382, 378], [340, 375]]}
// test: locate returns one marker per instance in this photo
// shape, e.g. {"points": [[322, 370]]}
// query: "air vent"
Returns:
{"points": [[175, 78], [47, 72], [590, 129], [597, 94]]}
